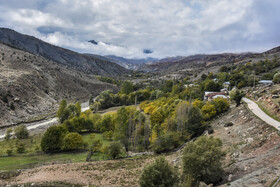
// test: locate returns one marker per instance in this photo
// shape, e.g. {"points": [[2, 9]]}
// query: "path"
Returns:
{"points": [[263, 116]]}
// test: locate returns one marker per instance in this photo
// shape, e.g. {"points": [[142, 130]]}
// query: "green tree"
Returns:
{"points": [[194, 125], [73, 141], [21, 132], [236, 96], [210, 85], [166, 142], [8, 134], [53, 139], [115, 150], [20, 148], [202, 160], [127, 87], [276, 78], [63, 112], [160, 173]]}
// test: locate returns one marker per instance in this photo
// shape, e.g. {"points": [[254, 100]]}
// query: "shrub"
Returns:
{"points": [[159, 173], [208, 111], [228, 124], [53, 139], [9, 152], [202, 160], [20, 148], [236, 96], [8, 134], [221, 104], [276, 78], [166, 142], [114, 150], [73, 141], [21, 132]]}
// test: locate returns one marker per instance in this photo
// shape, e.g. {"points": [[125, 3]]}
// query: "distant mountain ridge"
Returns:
{"points": [[77, 61], [176, 64]]}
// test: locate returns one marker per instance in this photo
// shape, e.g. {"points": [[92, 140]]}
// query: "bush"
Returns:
{"points": [[53, 139], [202, 160], [228, 124], [160, 173], [8, 134], [21, 132], [114, 150], [20, 148], [9, 152], [208, 111], [166, 142], [221, 104], [276, 78], [73, 141], [236, 96]]}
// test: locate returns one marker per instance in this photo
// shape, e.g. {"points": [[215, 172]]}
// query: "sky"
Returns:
{"points": [[148, 28]]}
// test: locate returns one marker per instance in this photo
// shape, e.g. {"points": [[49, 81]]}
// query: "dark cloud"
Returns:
{"points": [[170, 28]]}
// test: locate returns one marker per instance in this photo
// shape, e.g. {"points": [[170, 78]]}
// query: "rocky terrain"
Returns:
{"points": [[74, 60], [32, 86]]}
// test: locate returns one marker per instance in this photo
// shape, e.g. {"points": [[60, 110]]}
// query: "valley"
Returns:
{"points": [[80, 119]]}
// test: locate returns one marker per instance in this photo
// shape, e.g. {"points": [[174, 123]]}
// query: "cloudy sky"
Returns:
{"points": [[131, 28]]}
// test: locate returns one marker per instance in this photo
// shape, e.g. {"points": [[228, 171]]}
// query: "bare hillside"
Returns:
{"points": [[32, 85]]}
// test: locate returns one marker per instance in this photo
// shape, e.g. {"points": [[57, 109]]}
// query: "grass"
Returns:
{"points": [[265, 110], [33, 157]]}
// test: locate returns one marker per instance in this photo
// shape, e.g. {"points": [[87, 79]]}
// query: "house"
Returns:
{"points": [[265, 82], [209, 96], [226, 84]]}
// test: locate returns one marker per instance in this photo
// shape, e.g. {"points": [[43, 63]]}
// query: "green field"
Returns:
{"points": [[33, 157]]}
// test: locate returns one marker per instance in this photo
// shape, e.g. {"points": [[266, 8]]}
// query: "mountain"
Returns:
{"points": [[133, 63], [205, 61], [32, 85], [71, 59]]}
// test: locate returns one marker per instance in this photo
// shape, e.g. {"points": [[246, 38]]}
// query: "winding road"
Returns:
{"points": [[44, 124], [263, 116]]}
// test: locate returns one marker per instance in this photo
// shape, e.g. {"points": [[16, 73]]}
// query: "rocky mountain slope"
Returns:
{"points": [[203, 61], [31, 85], [77, 61]]}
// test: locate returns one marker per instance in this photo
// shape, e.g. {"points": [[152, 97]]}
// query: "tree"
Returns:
{"points": [[166, 142], [208, 111], [8, 134], [94, 147], [127, 87], [53, 139], [221, 104], [210, 85], [20, 148], [21, 132], [194, 124], [115, 150], [236, 96], [276, 78], [73, 141], [198, 103], [202, 160], [63, 112], [160, 173]]}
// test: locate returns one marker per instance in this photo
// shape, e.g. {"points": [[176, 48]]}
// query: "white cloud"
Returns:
{"points": [[169, 28]]}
